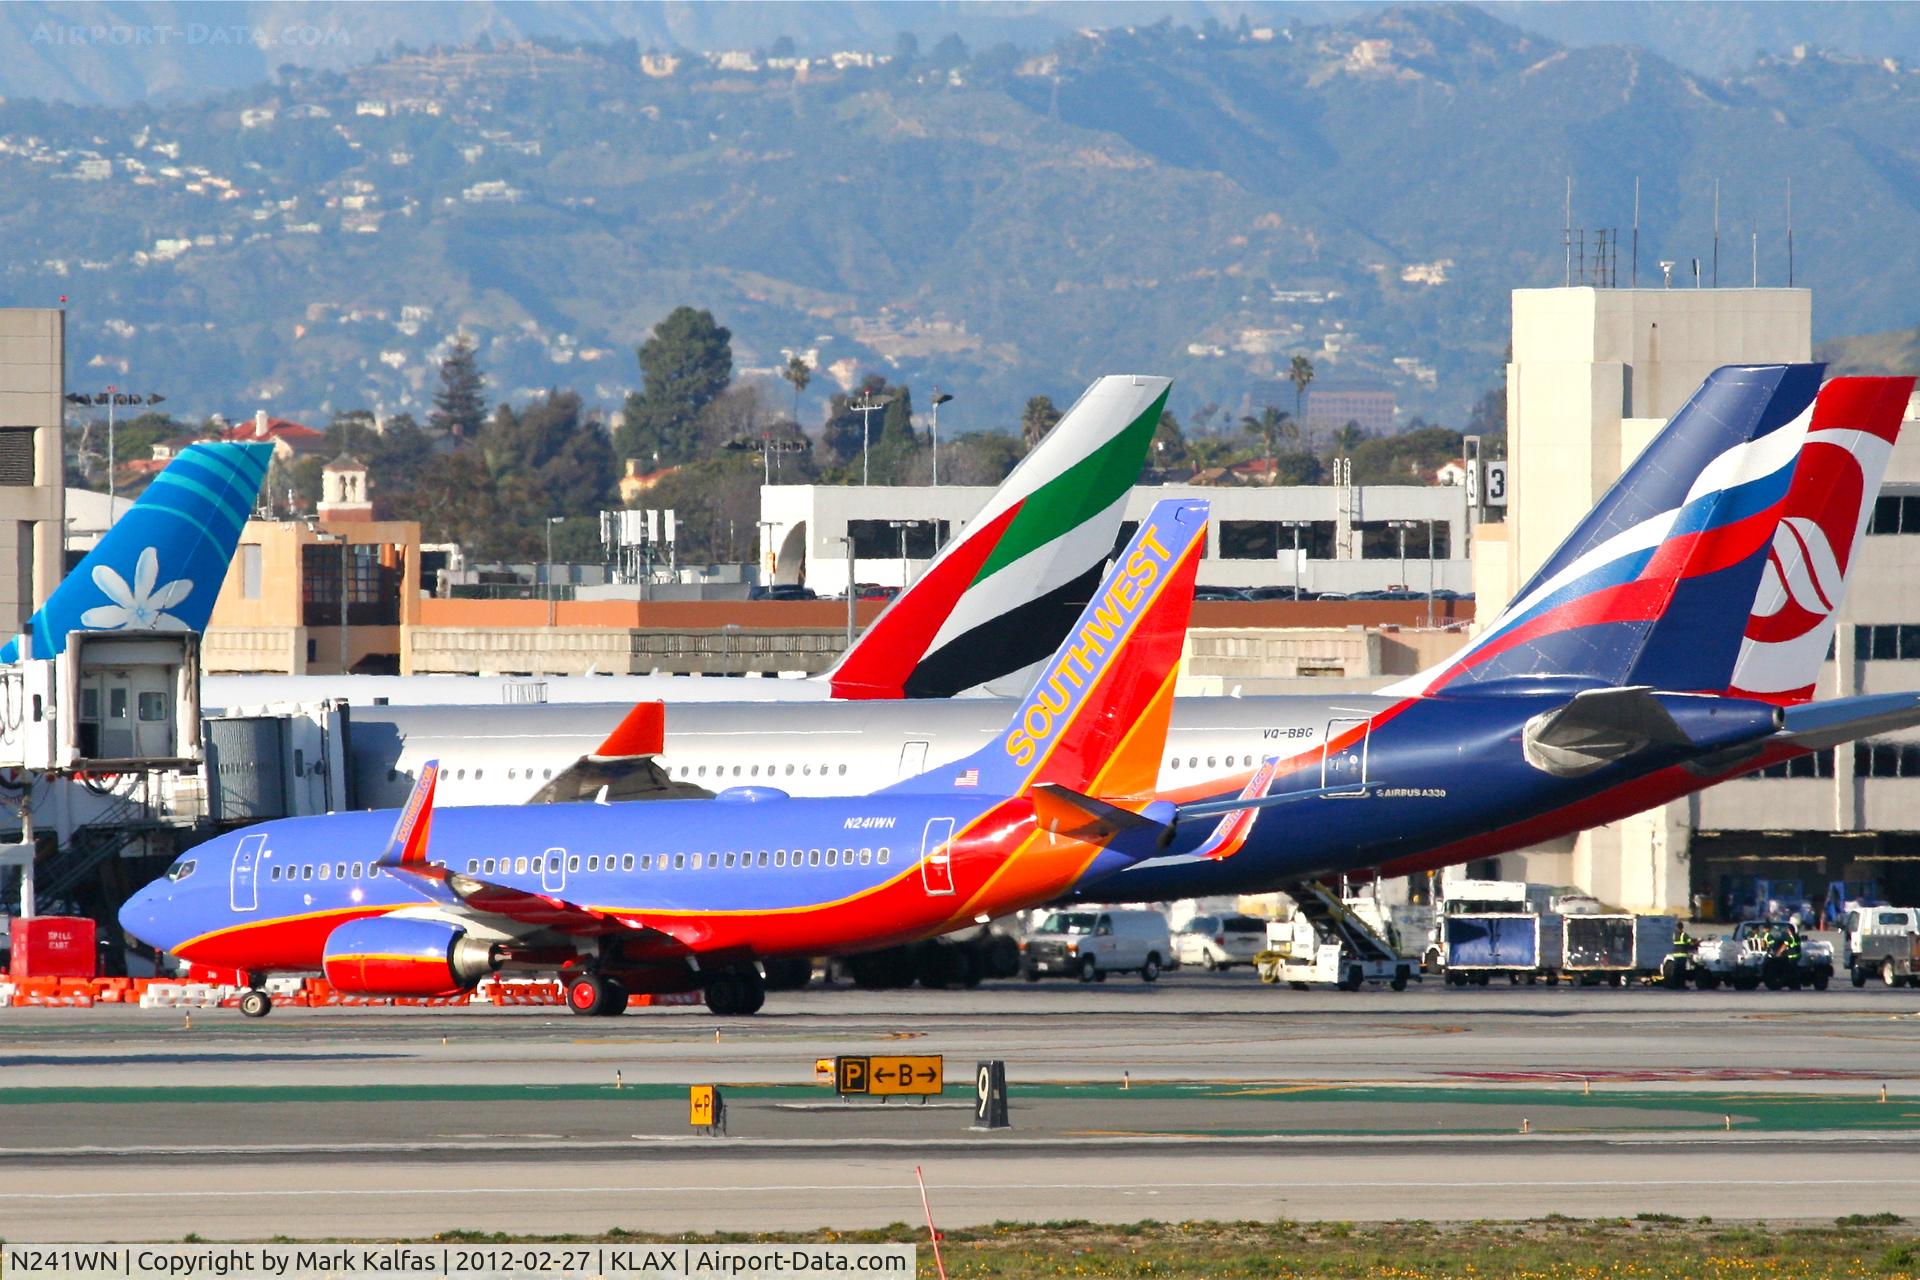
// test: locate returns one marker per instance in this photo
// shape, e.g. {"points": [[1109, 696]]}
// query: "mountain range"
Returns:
{"points": [[1204, 201]]}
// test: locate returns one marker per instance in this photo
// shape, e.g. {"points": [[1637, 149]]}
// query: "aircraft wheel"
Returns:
{"points": [[615, 1002], [256, 1003], [589, 994]]}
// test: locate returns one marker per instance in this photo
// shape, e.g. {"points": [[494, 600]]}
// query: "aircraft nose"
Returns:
{"points": [[144, 915]]}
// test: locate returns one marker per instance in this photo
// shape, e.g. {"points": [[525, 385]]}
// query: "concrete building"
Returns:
{"points": [[1595, 375], [32, 467], [1349, 538], [281, 607]]}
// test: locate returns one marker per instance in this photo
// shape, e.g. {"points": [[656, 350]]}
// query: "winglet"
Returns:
{"points": [[407, 850], [1228, 838], [642, 733]]}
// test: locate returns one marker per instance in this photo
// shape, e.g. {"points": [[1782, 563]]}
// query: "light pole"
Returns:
{"points": [[1296, 526], [1401, 527], [939, 398], [848, 540], [551, 606], [767, 557], [903, 526], [112, 397], [865, 406]]}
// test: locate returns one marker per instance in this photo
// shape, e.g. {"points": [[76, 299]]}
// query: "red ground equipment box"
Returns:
{"points": [[53, 947]]}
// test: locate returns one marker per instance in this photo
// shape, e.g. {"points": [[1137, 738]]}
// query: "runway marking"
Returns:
{"points": [[523, 1189]]}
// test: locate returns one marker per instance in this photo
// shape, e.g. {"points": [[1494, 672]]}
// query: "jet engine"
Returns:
{"points": [[401, 956]]}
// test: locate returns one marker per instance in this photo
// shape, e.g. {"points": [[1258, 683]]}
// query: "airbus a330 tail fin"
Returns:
{"points": [[1095, 721], [159, 568], [1000, 595], [1716, 561]]}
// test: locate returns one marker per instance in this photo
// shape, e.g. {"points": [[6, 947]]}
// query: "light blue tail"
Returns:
{"points": [[159, 568]]}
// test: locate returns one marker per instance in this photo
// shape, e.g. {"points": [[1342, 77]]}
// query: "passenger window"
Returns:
{"points": [[573, 863], [703, 771], [884, 855], [779, 857], [754, 771], [479, 774], [813, 857], [729, 860], [357, 868], [679, 861], [326, 872], [866, 856], [843, 771], [274, 874], [473, 865], [306, 872], [627, 862], [487, 866], [789, 771], [520, 866]]}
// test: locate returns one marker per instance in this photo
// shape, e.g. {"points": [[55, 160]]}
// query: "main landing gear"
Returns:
{"points": [[593, 995], [255, 1003], [736, 992]]}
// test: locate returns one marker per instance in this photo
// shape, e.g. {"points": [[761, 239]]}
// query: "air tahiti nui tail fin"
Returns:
{"points": [[159, 568], [1716, 561], [1000, 595], [1095, 721]]}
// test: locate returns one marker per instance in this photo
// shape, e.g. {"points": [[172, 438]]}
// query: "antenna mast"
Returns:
{"points": [[1636, 232]]}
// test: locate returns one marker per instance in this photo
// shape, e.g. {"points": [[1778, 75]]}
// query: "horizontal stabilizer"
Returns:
{"points": [[1818, 725], [1597, 728], [1242, 804], [1066, 812]]}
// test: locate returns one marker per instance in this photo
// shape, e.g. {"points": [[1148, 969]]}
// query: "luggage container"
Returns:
{"points": [[53, 947], [1615, 947], [1519, 944]]}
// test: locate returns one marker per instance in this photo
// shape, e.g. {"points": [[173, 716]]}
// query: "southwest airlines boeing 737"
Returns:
{"points": [[680, 894], [1673, 641]]}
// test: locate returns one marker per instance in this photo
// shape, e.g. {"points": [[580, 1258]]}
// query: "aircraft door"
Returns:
{"points": [[936, 857], [553, 870], [116, 726], [913, 759], [1343, 757], [245, 894]]}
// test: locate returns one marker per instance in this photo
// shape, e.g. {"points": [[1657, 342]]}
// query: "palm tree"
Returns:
{"points": [[1300, 373], [799, 374], [1273, 425]]}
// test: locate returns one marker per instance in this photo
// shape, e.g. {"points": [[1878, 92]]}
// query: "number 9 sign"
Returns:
{"points": [[990, 1096]]}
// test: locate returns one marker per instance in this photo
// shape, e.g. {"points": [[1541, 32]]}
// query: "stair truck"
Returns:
{"points": [[1345, 942]]}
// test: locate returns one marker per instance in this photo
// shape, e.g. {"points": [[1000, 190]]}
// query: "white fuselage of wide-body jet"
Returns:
{"points": [[491, 755], [235, 693]]}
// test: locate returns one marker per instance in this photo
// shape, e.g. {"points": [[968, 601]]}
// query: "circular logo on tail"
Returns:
{"points": [[1801, 567]]}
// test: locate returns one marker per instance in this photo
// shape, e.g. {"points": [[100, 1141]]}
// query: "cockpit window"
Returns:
{"points": [[181, 869]]}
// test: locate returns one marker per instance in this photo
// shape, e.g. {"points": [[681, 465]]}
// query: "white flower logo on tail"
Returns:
{"points": [[141, 607]]}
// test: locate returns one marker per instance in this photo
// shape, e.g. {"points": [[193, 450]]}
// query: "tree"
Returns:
{"points": [[1037, 419], [979, 457], [454, 502], [458, 408], [1348, 438], [684, 364], [545, 461], [799, 373], [1169, 448], [1299, 373], [1405, 458], [1271, 426]]}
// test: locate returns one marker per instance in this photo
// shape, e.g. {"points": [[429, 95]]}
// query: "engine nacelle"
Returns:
{"points": [[401, 956]]}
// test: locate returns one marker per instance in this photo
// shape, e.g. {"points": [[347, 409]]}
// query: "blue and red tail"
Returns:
{"points": [[1716, 562]]}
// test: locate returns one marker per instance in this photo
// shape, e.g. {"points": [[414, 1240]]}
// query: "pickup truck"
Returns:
{"points": [[1882, 942], [1745, 959]]}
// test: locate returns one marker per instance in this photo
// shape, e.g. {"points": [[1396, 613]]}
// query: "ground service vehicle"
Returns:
{"points": [[1347, 942], [1756, 953], [1220, 941], [1883, 943], [1090, 943]]}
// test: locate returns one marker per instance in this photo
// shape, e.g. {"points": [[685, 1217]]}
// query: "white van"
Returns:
{"points": [[1089, 943]]}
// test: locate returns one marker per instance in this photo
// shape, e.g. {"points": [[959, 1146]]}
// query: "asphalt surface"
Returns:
{"points": [[1198, 1097]]}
